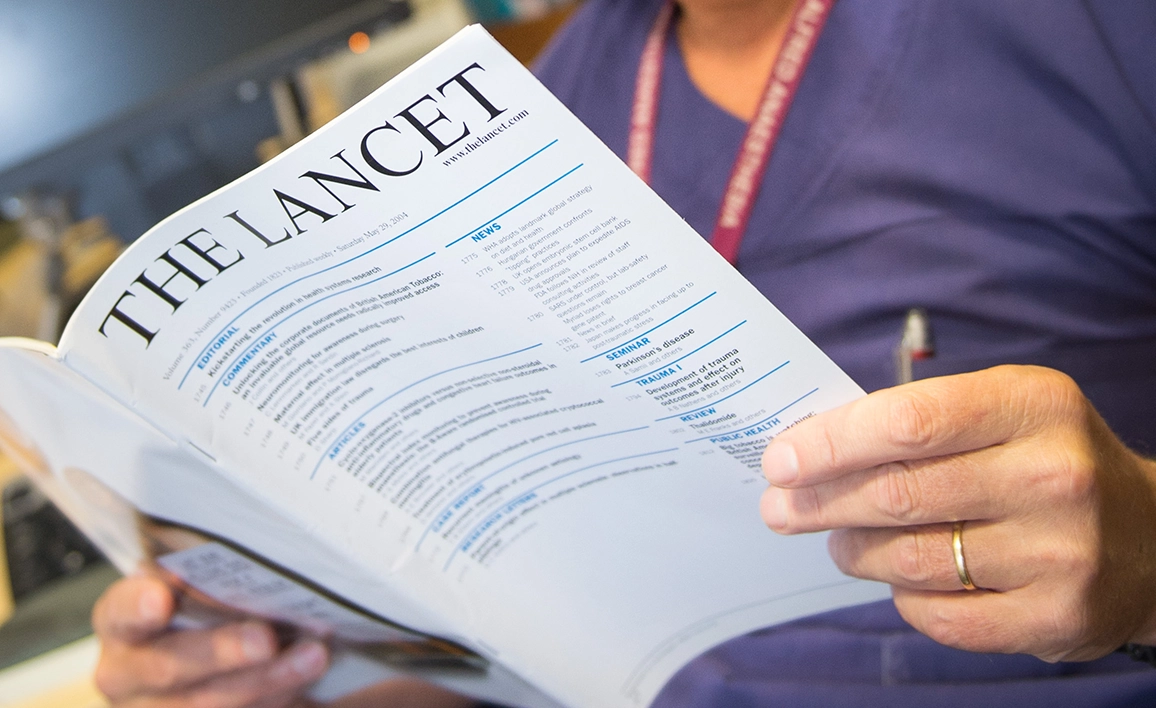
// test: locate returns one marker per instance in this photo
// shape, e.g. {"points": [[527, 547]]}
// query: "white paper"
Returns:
{"points": [[49, 420], [510, 383]]}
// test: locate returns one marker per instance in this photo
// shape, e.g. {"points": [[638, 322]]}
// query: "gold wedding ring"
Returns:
{"points": [[957, 549]]}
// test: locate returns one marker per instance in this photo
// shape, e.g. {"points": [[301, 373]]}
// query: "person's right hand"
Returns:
{"points": [[146, 664]]}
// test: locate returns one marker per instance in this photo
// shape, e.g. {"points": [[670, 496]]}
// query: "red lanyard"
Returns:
{"points": [[747, 174]]}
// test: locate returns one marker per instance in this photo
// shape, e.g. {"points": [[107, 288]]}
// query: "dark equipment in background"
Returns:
{"points": [[116, 114], [133, 108], [42, 545]]}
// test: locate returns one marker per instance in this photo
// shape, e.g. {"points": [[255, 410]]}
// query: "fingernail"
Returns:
{"points": [[774, 508], [256, 643], [304, 662], [152, 606], [780, 463]]}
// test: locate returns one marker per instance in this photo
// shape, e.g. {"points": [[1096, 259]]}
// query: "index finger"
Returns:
{"points": [[133, 609], [927, 418]]}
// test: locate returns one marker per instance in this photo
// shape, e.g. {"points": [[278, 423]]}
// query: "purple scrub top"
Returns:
{"points": [[993, 163]]}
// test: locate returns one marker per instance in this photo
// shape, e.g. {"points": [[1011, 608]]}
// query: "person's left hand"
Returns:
{"points": [[1060, 531]]}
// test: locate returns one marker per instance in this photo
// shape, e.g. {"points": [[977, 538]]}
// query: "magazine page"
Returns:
{"points": [[452, 335], [130, 499]]}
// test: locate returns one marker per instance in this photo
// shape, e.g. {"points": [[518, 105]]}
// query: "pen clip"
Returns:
{"points": [[916, 344]]}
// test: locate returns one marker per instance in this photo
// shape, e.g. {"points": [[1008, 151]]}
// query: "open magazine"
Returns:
{"points": [[448, 385]]}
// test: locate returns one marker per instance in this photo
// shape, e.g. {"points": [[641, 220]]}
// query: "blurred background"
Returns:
{"points": [[113, 115]]}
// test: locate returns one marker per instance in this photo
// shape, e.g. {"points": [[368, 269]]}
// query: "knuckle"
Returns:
{"points": [[897, 491], [769, 508], [911, 560], [226, 647], [1057, 396], [961, 624], [805, 511], [1058, 631], [1078, 562], [822, 450], [790, 511], [106, 612], [911, 420], [106, 678], [250, 642], [1057, 385], [949, 626], [844, 547], [1069, 476], [163, 671], [205, 699], [1077, 476]]}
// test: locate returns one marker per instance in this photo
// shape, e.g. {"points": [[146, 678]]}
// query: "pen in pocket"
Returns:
{"points": [[916, 344]]}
